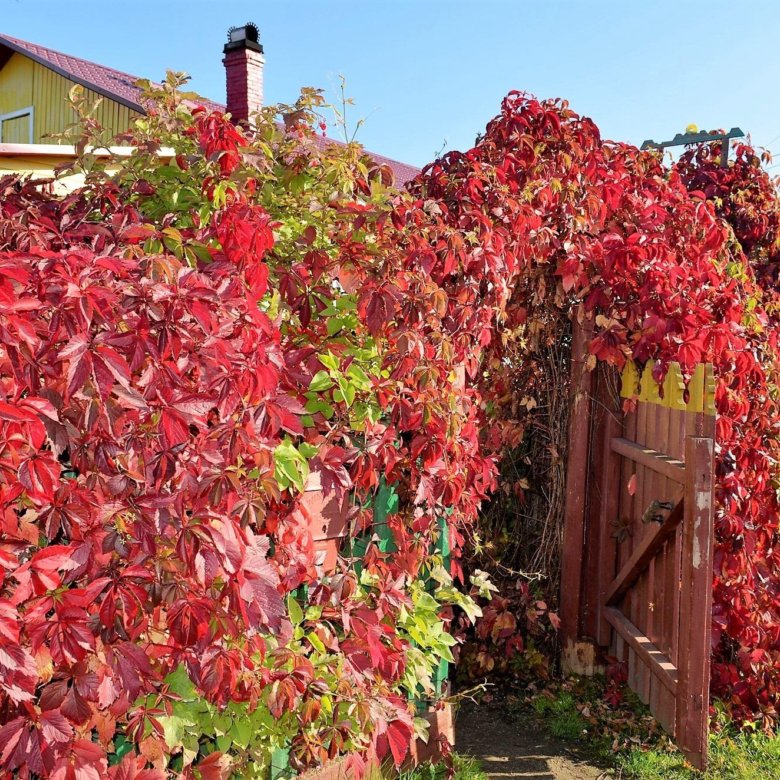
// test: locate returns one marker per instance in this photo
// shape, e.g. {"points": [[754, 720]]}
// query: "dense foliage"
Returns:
{"points": [[181, 343], [184, 340], [746, 628]]}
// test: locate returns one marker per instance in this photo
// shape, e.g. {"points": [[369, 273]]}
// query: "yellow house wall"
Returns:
{"points": [[24, 82], [16, 84]]}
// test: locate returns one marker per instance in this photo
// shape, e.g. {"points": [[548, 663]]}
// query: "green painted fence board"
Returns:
{"points": [[280, 764]]}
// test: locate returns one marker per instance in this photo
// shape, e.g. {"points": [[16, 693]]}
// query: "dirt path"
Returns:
{"points": [[510, 749]]}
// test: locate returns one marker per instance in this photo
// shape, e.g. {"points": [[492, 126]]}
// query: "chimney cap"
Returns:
{"points": [[245, 37]]}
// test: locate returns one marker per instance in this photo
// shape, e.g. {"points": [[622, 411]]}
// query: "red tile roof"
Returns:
{"points": [[119, 86]]}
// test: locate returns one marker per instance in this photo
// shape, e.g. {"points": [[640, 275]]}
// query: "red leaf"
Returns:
{"points": [[55, 726], [38, 475], [173, 427], [215, 766], [399, 736]]}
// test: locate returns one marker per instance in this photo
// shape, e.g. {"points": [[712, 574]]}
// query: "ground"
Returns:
{"points": [[510, 749]]}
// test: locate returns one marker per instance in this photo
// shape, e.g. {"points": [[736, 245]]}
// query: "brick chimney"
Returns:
{"points": [[244, 63]]}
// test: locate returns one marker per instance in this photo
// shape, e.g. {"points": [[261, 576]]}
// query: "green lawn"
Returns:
{"points": [[733, 756]]}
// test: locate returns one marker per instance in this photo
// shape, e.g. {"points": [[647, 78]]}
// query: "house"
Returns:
{"points": [[35, 82]]}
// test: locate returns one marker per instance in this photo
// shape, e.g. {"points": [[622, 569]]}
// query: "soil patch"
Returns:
{"points": [[512, 748]]}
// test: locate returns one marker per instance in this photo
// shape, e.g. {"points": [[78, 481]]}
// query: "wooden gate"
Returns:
{"points": [[637, 564]]}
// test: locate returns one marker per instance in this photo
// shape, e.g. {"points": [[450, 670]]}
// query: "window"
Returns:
{"points": [[17, 127]]}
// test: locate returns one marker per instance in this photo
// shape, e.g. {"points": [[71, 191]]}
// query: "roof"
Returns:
{"points": [[121, 87], [105, 81]]}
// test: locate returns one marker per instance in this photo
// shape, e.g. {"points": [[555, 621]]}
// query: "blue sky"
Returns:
{"points": [[428, 74]]}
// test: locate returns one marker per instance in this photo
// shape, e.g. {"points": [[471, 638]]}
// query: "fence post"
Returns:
{"points": [[576, 657], [607, 478], [692, 717]]}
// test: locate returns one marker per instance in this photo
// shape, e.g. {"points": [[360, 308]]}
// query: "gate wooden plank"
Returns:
{"points": [[650, 458], [626, 514], [668, 587], [643, 553], [696, 603], [652, 658], [660, 490], [674, 390], [609, 510]]}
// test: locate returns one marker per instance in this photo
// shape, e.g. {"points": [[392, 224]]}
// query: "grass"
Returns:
{"points": [[465, 769], [732, 756], [561, 717], [629, 741]]}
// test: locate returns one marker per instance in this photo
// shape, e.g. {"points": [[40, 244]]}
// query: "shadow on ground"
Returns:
{"points": [[508, 749]]}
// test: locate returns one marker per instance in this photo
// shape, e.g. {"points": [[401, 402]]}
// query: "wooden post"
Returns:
{"points": [[576, 659], [696, 602]]}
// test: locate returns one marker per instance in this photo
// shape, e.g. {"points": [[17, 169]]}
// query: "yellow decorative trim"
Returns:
{"points": [[701, 387], [629, 381], [648, 387], [674, 388], [696, 390], [709, 390]]}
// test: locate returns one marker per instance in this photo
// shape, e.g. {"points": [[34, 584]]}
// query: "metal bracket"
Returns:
{"points": [[653, 513]]}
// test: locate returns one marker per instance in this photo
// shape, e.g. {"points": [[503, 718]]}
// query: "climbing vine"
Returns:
{"points": [[541, 217], [184, 342], [189, 336]]}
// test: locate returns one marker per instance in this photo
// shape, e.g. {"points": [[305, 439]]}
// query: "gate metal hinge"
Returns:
{"points": [[653, 513]]}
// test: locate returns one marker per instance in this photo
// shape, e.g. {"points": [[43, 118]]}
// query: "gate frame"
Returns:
{"points": [[590, 586]]}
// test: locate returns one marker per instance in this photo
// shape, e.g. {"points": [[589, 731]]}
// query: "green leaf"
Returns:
{"points": [[359, 377], [333, 325], [294, 610], [291, 468], [330, 361], [174, 727], [316, 642], [179, 682], [308, 450], [318, 405], [298, 183], [321, 381], [241, 732]]}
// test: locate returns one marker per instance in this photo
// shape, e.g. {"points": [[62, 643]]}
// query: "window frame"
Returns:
{"points": [[29, 112]]}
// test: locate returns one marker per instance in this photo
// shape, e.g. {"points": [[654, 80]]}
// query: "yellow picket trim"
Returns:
{"points": [[696, 389], [701, 387], [674, 388], [709, 390], [648, 387], [629, 381]]}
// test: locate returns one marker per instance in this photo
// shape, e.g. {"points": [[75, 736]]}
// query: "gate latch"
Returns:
{"points": [[653, 512]]}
